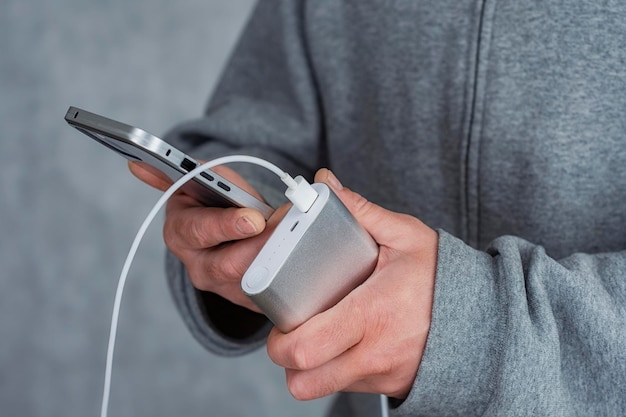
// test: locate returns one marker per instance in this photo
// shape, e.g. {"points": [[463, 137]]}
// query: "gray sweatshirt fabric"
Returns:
{"points": [[502, 124]]}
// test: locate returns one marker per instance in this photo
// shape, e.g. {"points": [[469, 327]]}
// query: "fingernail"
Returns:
{"points": [[333, 181], [245, 226]]}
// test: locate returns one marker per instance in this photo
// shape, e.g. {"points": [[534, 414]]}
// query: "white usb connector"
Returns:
{"points": [[300, 193]]}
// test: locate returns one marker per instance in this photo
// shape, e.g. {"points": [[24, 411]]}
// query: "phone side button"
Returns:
{"points": [[223, 186]]}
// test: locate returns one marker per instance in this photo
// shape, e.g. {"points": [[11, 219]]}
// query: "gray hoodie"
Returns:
{"points": [[502, 124]]}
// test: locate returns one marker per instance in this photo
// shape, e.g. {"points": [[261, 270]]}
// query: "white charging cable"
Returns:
{"points": [[384, 409]]}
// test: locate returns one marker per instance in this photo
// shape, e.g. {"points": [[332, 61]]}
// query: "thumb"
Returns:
{"points": [[385, 226]]}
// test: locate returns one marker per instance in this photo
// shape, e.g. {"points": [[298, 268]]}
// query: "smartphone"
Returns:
{"points": [[135, 144]]}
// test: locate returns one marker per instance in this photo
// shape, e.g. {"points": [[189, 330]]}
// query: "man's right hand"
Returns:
{"points": [[216, 245]]}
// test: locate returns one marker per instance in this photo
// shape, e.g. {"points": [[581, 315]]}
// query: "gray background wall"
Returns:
{"points": [[69, 210]]}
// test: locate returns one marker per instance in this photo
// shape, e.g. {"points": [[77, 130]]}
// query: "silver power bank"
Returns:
{"points": [[310, 262]]}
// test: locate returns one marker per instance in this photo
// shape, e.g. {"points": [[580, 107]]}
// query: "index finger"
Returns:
{"points": [[189, 225]]}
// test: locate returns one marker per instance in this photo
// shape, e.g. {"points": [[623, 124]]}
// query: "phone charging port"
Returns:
{"points": [[188, 165]]}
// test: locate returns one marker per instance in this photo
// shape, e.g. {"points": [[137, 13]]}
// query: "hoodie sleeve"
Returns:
{"points": [[514, 329]]}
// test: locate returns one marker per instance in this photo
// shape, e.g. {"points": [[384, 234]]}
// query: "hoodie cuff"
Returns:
{"points": [[456, 375]]}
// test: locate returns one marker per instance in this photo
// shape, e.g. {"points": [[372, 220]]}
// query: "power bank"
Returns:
{"points": [[310, 262]]}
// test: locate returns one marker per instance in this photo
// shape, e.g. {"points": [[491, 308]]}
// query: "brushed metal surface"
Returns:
{"points": [[331, 257]]}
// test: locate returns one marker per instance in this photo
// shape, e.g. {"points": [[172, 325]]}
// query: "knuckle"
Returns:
{"points": [[358, 311], [300, 356], [169, 236], [381, 366], [209, 272], [183, 232], [198, 234], [361, 204], [299, 394], [412, 222], [290, 355], [295, 390], [199, 279], [225, 269], [302, 390], [198, 282], [226, 228], [194, 231]]}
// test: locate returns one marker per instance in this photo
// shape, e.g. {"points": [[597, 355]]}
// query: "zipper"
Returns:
{"points": [[470, 152]]}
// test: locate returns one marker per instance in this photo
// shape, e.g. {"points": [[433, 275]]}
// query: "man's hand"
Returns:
{"points": [[372, 340], [216, 245]]}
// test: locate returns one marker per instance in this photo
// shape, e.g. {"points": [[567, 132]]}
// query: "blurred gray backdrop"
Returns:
{"points": [[69, 210]]}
